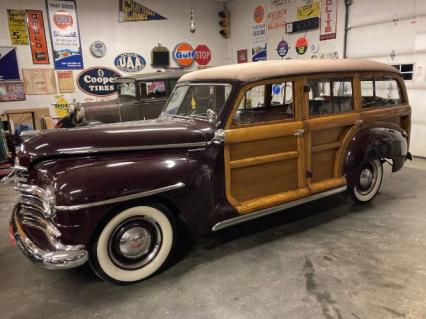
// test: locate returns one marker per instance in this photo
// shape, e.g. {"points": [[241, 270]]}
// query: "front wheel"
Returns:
{"points": [[368, 183], [134, 244]]}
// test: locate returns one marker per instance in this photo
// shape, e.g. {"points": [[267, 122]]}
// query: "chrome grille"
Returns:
{"points": [[31, 198]]}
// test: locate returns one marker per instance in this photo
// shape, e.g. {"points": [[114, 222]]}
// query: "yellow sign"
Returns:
{"points": [[17, 26], [309, 11], [61, 106]]}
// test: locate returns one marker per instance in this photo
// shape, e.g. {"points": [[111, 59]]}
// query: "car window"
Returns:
{"points": [[265, 103], [328, 96], [379, 92], [153, 89]]}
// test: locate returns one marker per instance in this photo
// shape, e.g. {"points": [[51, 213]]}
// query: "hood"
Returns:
{"points": [[117, 137]]}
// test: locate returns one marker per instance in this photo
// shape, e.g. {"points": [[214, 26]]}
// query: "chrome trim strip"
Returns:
{"points": [[83, 150], [275, 209], [121, 199]]}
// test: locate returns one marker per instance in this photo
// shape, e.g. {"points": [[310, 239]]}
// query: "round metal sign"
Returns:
{"points": [[98, 49]]}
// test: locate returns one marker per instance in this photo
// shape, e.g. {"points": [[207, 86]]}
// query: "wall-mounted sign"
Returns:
{"points": [[242, 56], [328, 19], [314, 47], [98, 81], [184, 54], [66, 82], [259, 14], [160, 56], [98, 49], [39, 81], [12, 91], [277, 14], [61, 106], [301, 45], [64, 34], [282, 48], [303, 25], [308, 11], [9, 69], [37, 37], [130, 11], [203, 54], [17, 26], [129, 62]]}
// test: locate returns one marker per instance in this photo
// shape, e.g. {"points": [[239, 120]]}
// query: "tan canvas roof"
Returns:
{"points": [[248, 72]]}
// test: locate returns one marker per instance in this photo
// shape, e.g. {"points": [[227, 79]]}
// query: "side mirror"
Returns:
{"points": [[212, 115]]}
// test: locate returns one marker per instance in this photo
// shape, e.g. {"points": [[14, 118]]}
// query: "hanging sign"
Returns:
{"points": [[130, 11], [98, 81], [184, 54], [282, 48], [37, 37], [17, 27], [277, 14], [328, 19], [9, 69], [301, 45], [203, 54], [242, 56], [66, 82], [64, 34], [308, 11], [129, 62]]}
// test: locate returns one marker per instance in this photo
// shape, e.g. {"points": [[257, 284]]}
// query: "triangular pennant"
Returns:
{"points": [[130, 10]]}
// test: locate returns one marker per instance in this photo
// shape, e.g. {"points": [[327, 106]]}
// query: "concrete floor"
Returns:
{"points": [[321, 260]]}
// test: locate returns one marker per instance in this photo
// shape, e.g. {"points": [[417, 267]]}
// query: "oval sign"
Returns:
{"points": [[301, 45], [130, 62], [184, 54], [259, 14], [98, 81], [282, 48]]}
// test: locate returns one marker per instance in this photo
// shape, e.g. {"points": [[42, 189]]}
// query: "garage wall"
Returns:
{"points": [[98, 21], [242, 20], [375, 34]]}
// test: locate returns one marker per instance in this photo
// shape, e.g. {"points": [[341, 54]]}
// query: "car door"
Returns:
{"points": [[331, 111], [264, 146]]}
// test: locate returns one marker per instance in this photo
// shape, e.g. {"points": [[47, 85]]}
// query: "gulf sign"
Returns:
{"points": [[184, 54], [63, 19]]}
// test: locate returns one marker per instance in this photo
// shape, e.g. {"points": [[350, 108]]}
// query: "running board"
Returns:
{"points": [[275, 209]]}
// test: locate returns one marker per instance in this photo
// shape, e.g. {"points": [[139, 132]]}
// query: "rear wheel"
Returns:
{"points": [[368, 183], [135, 244]]}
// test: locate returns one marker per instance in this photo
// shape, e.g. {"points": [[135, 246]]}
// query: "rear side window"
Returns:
{"points": [[327, 96], [380, 92], [266, 103]]}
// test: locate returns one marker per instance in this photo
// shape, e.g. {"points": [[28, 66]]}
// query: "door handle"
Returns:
{"points": [[299, 132]]}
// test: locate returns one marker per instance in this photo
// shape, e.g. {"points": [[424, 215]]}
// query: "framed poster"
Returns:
{"points": [[9, 69], [66, 82], [17, 27], [242, 56], [39, 81], [37, 37], [12, 91], [64, 34]]}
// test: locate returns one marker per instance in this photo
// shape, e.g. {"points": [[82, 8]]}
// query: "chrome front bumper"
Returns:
{"points": [[62, 257]]}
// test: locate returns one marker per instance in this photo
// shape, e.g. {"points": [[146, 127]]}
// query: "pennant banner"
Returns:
{"points": [[130, 11], [37, 37]]}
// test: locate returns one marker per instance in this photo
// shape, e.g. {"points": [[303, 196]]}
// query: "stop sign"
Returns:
{"points": [[203, 54]]}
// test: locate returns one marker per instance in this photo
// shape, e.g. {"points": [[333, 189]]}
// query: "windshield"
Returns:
{"points": [[189, 100]]}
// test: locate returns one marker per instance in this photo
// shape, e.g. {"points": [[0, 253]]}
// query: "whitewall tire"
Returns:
{"points": [[134, 244], [368, 183]]}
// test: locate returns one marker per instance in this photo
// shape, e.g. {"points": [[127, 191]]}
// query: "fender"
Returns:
{"points": [[371, 143]]}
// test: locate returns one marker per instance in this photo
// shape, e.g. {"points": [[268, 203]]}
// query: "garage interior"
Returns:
{"points": [[323, 259]]}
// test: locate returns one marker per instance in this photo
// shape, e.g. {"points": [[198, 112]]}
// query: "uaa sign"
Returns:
{"points": [[98, 81], [130, 62]]}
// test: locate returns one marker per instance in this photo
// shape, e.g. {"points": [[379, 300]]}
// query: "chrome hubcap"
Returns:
{"points": [[366, 178], [135, 242]]}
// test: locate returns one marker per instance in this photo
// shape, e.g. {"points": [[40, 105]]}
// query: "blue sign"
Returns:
{"points": [[130, 62], [98, 81], [276, 89], [8, 64], [258, 54], [282, 48]]}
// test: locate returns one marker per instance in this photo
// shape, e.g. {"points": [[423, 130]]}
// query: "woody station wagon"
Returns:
{"points": [[233, 143]]}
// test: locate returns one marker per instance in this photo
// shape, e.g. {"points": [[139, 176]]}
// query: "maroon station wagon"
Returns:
{"points": [[233, 143]]}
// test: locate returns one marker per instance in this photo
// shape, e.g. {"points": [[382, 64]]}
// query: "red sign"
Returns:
{"points": [[37, 37], [301, 45], [242, 56], [259, 14], [63, 19], [203, 54], [328, 19]]}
